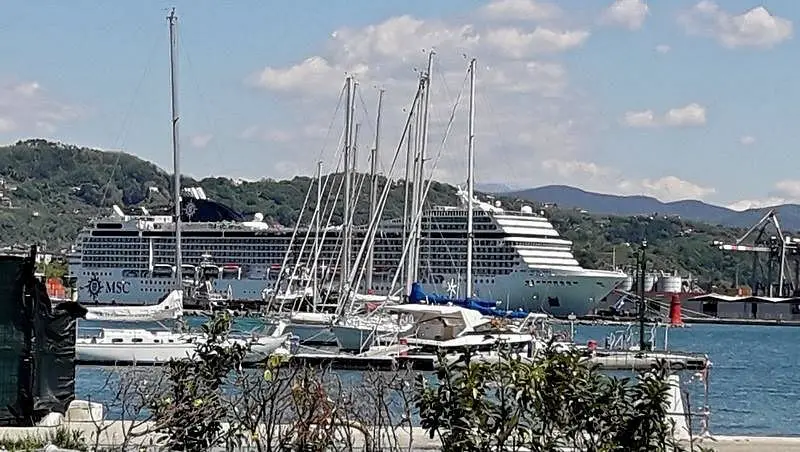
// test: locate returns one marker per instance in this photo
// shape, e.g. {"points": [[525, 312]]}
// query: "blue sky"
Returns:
{"points": [[675, 99]]}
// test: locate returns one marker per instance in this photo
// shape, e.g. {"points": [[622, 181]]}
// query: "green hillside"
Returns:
{"points": [[50, 190]]}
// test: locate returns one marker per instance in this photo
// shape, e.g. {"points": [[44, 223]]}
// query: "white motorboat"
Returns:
{"points": [[141, 346], [168, 309]]}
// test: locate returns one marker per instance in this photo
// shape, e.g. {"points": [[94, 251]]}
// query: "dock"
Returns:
{"points": [[604, 359], [732, 321]]}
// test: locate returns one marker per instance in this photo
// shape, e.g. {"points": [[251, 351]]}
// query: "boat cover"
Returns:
{"points": [[37, 349], [485, 307]]}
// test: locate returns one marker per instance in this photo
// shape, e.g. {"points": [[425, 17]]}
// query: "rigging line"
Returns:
{"points": [[327, 136], [440, 152], [372, 228], [203, 102], [367, 114], [484, 101], [418, 214], [119, 142], [310, 188], [317, 211], [294, 233]]}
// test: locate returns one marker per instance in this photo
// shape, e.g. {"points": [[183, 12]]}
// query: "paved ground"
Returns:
{"points": [[113, 433], [752, 443]]}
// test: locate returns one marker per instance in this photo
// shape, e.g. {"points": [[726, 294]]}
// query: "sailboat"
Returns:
{"points": [[115, 345], [485, 307]]}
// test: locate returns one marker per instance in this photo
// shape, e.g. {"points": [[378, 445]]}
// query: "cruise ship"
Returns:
{"points": [[519, 259]]}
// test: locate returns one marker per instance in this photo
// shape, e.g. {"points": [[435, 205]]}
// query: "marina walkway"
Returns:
{"points": [[112, 435]]}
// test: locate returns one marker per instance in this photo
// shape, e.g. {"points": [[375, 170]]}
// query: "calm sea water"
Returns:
{"points": [[753, 387]]}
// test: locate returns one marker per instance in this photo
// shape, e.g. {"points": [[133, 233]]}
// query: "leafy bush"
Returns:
{"points": [[554, 403]]}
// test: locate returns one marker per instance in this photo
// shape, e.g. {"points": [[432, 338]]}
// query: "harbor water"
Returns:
{"points": [[752, 381]]}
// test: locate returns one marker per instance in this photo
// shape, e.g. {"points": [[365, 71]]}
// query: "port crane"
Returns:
{"points": [[778, 249]]}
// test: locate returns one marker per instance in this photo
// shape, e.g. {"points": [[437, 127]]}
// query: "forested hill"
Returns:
{"points": [[50, 190]]}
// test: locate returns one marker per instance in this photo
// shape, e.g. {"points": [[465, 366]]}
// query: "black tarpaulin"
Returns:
{"points": [[37, 346]]}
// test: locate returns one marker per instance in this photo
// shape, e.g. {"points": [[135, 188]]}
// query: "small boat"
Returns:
{"points": [[168, 309], [142, 346]]}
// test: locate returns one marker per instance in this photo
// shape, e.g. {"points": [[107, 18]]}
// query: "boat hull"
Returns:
{"points": [[88, 352]]}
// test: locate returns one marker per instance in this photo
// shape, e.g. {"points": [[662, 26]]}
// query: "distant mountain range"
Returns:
{"points": [[566, 196]]}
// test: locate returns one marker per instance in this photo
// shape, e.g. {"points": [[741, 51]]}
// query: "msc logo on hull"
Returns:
{"points": [[95, 287]]}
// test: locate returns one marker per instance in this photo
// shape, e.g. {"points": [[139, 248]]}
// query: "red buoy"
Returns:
{"points": [[675, 311]]}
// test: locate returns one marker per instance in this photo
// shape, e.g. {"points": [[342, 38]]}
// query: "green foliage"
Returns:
{"points": [[192, 410], [62, 438], [54, 190], [673, 245], [553, 403]]}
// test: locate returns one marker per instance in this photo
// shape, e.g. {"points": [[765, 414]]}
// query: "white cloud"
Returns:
{"points": [[627, 13], [7, 125], [201, 141], [786, 191], [692, 114], [746, 204], [644, 118], [525, 106], [788, 188], [663, 48], [609, 180], [520, 10], [756, 27], [26, 107], [28, 88], [545, 78], [747, 140], [516, 43], [313, 74]]}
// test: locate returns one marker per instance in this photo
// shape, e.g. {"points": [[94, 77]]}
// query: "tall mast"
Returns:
{"points": [[354, 158], [470, 175], [176, 161], [317, 240], [420, 178], [408, 193], [348, 118], [373, 191]]}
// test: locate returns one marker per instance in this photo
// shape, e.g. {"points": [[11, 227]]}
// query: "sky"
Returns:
{"points": [[673, 99]]}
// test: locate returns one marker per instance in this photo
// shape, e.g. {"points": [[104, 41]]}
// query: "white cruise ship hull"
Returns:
{"points": [[559, 293], [518, 258]]}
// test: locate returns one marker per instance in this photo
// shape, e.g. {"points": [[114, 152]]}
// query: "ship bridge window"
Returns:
{"points": [[116, 340], [136, 340]]}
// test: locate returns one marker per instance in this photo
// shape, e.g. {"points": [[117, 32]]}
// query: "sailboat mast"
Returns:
{"points": [[373, 191], [422, 155], [176, 161], [470, 175], [408, 193], [348, 118], [317, 239]]}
